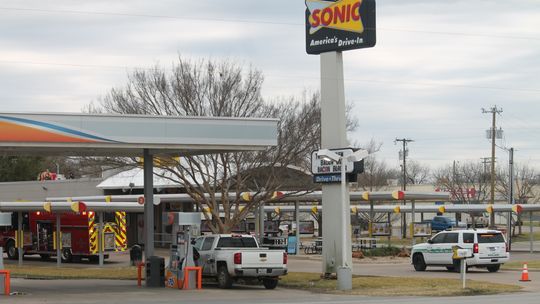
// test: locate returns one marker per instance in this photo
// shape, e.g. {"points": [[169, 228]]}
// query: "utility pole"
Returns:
{"points": [[510, 196], [404, 153], [493, 111]]}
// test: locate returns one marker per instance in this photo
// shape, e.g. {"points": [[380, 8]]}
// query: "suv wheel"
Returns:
{"points": [[494, 268], [418, 262]]}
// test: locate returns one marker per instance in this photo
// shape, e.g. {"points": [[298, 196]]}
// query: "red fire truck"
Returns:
{"points": [[78, 232]]}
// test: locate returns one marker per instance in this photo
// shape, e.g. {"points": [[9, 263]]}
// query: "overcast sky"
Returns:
{"points": [[435, 66]]}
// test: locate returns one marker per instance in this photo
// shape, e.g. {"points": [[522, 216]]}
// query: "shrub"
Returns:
{"points": [[381, 251]]}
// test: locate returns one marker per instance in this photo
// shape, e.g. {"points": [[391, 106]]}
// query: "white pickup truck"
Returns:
{"points": [[229, 257]]}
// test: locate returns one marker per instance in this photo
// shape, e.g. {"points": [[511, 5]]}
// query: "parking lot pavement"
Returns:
{"points": [[107, 291], [116, 291]]}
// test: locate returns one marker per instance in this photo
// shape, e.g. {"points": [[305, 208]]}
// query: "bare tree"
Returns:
{"points": [[466, 182], [209, 88], [525, 179], [417, 173], [376, 173]]}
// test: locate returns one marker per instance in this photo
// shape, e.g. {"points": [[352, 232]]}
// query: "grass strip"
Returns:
{"points": [[393, 286], [519, 264], [362, 285], [36, 272]]}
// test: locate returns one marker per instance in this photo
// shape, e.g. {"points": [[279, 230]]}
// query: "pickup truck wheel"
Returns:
{"points": [[12, 252], [418, 262], [223, 278], [270, 283], [494, 268]]}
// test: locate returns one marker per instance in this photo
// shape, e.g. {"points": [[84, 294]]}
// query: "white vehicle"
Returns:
{"points": [[229, 257], [489, 250]]}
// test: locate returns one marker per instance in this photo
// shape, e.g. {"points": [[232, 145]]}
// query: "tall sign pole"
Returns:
{"points": [[333, 26], [333, 135]]}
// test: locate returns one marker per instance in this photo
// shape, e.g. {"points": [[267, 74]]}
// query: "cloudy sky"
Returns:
{"points": [[435, 66]]}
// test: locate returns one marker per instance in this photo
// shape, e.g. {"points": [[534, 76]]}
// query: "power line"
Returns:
{"points": [[101, 13], [357, 80], [59, 11]]}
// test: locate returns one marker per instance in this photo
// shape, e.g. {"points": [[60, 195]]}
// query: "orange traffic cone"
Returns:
{"points": [[525, 274]]}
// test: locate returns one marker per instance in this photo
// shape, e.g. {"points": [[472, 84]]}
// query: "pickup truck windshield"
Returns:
{"points": [[236, 242]]}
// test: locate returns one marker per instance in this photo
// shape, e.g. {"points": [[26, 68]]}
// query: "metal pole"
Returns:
{"points": [[531, 236], [464, 271], [261, 222], [100, 239], [413, 214], [148, 203], [21, 238], [510, 197], [492, 197], [345, 209], [371, 216], [257, 213], [389, 217], [297, 219], [58, 241], [404, 215]]}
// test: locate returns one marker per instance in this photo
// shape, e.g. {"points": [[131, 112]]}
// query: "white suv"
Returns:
{"points": [[489, 249]]}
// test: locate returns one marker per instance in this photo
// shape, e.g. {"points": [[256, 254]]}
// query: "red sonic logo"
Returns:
{"points": [[341, 15]]}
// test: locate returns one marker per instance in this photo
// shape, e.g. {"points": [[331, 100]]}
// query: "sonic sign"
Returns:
{"points": [[339, 25]]}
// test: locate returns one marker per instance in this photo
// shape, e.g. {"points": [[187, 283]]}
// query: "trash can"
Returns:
{"points": [[135, 255], [155, 272]]}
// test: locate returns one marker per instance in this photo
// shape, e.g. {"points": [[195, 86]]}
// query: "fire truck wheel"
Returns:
{"points": [[66, 256], [45, 256], [12, 252]]}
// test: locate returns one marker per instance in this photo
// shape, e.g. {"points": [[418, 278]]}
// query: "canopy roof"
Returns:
{"points": [[127, 135]]}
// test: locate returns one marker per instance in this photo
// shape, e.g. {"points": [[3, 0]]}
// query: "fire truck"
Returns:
{"points": [[78, 234]]}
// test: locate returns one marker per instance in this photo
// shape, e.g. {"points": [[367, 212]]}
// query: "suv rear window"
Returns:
{"points": [[236, 242], [484, 238], [468, 238]]}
